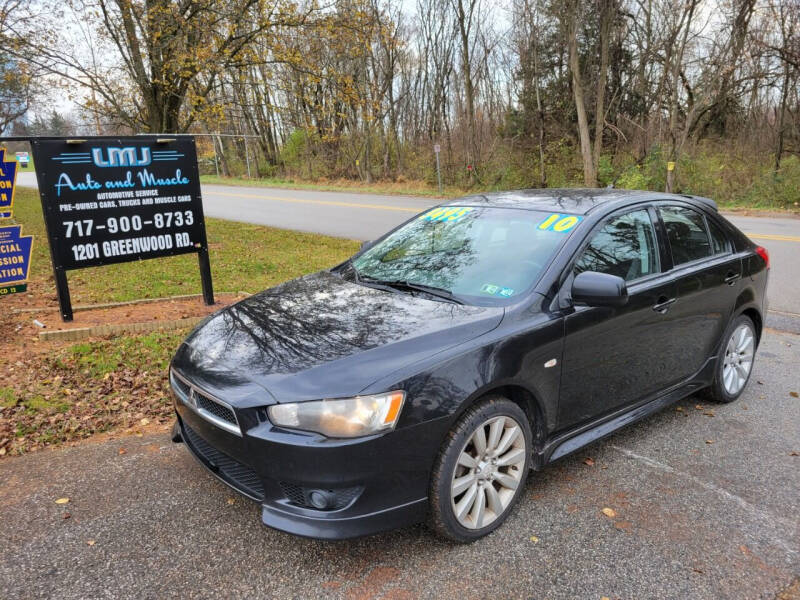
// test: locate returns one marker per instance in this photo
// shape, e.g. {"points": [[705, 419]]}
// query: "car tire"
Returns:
{"points": [[735, 362], [471, 491]]}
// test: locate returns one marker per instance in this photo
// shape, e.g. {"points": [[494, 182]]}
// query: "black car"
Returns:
{"points": [[424, 377]]}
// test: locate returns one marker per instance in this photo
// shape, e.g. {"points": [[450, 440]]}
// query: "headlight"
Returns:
{"points": [[346, 418]]}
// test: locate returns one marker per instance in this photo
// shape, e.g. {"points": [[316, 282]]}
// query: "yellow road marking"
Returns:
{"points": [[764, 236], [774, 236], [324, 202]]}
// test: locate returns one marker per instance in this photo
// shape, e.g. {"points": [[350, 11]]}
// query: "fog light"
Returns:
{"points": [[321, 499]]}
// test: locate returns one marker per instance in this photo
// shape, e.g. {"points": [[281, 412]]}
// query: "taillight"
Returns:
{"points": [[762, 252]]}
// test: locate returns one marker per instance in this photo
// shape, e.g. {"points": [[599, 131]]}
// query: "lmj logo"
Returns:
{"points": [[121, 157]]}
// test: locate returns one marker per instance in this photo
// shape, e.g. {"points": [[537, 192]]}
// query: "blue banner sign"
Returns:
{"points": [[15, 259], [8, 179]]}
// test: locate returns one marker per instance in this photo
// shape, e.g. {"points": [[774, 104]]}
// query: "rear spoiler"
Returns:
{"points": [[707, 201]]}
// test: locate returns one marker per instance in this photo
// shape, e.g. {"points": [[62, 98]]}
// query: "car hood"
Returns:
{"points": [[321, 336]]}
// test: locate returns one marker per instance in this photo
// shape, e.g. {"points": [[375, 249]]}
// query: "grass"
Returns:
{"points": [[98, 358], [8, 398], [40, 404], [399, 188], [243, 258]]}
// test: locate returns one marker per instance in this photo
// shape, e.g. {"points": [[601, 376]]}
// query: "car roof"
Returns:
{"points": [[569, 200]]}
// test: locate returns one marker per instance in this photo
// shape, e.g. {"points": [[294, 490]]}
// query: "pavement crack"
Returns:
{"points": [[775, 523]]}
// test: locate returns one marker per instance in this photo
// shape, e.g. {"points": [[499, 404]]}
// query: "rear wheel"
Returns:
{"points": [[736, 361], [481, 470]]}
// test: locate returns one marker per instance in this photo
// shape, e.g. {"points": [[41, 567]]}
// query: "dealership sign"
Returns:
{"points": [[15, 248], [112, 200], [15, 259]]}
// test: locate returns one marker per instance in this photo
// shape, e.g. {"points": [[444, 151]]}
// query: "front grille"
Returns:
{"points": [[208, 407], [294, 493], [237, 474], [180, 386], [298, 495], [215, 408]]}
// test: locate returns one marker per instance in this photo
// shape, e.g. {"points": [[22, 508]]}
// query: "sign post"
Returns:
{"points": [[109, 200], [436, 149]]}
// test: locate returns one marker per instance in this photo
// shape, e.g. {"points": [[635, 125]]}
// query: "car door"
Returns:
{"points": [[708, 278], [616, 356]]}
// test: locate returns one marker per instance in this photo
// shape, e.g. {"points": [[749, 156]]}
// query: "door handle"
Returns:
{"points": [[663, 304], [731, 277]]}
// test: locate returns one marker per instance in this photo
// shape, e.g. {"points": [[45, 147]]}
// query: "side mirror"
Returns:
{"points": [[599, 289], [365, 245]]}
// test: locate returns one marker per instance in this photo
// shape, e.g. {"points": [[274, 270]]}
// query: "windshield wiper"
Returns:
{"points": [[408, 285]]}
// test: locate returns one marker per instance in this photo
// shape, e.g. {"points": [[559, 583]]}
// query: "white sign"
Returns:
{"points": [[437, 148]]}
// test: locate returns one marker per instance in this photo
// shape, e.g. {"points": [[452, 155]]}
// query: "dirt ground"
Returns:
{"points": [[24, 329]]}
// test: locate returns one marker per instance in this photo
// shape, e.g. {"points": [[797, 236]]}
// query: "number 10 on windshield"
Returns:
{"points": [[559, 223]]}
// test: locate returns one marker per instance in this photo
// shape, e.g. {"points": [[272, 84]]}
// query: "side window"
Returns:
{"points": [[719, 242], [625, 246], [686, 230]]}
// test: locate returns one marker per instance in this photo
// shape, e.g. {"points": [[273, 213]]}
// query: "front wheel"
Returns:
{"points": [[736, 363], [481, 470]]}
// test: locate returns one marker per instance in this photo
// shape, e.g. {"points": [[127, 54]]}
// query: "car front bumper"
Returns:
{"points": [[374, 484]]}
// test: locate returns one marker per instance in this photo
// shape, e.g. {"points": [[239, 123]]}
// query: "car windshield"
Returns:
{"points": [[473, 253]]}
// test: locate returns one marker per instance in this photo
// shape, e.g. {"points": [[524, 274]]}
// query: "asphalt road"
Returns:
{"points": [[367, 216], [706, 507]]}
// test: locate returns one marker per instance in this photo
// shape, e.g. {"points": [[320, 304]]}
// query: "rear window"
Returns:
{"points": [[686, 230]]}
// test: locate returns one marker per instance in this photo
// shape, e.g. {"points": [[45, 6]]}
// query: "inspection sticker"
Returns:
{"points": [[497, 290], [559, 223], [446, 213]]}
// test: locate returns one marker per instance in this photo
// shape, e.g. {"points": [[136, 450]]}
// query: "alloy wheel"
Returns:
{"points": [[489, 470], [738, 359]]}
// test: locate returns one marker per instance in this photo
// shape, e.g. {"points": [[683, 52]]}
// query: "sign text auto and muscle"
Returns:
{"points": [[111, 200]]}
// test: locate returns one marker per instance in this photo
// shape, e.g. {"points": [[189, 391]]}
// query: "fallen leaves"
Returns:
{"points": [[588, 462], [794, 394], [709, 413], [62, 501], [709, 441], [231, 501], [794, 453], [609, 512], [534, 539], [90, 542], [77, 402]]}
